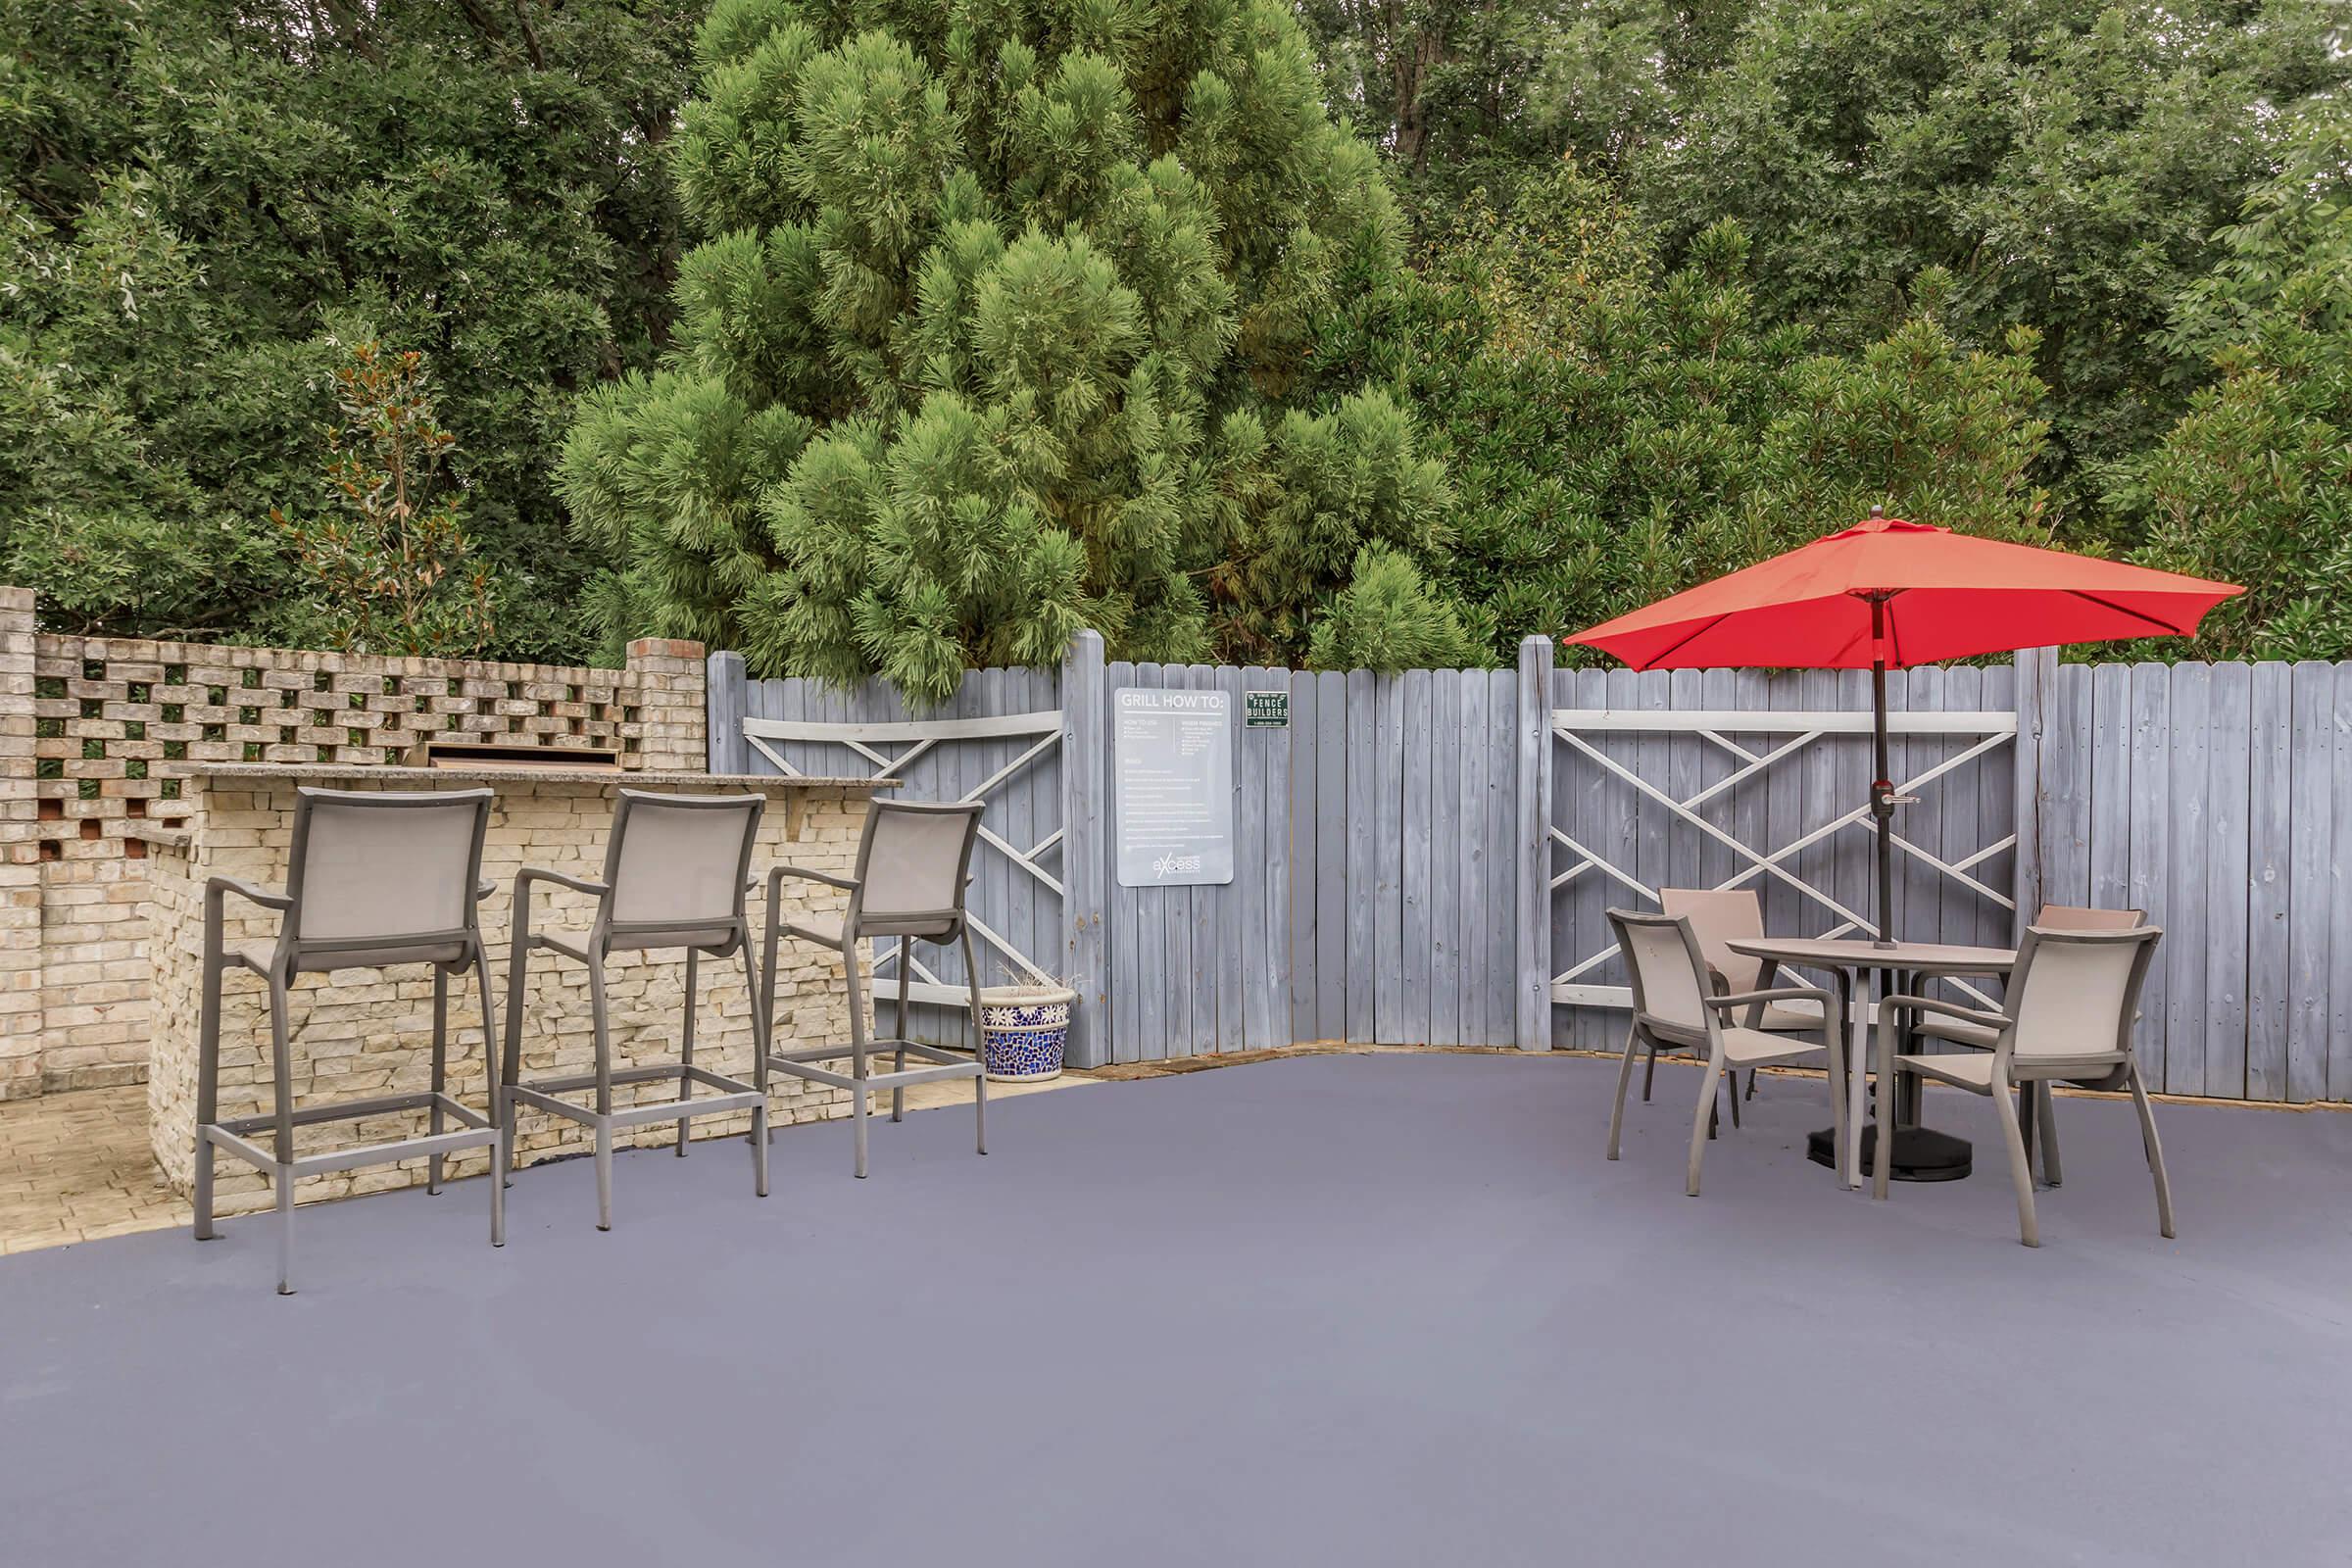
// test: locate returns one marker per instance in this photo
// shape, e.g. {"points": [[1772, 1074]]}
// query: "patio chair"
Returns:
{"points": [[373, 880], [913, 865], [1720, 917], [676, 870], [1677, 1007], [1981, 1032], [2068, 1014]]}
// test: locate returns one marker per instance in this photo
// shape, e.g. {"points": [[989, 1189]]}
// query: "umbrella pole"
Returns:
{"points": [[1881, 787]]}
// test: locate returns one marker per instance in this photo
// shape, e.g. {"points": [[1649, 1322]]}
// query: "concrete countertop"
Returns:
{"points": [[522, 773]]}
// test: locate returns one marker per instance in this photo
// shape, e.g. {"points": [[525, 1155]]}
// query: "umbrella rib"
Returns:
{"points": [[2165, 626], [1682, 643]]}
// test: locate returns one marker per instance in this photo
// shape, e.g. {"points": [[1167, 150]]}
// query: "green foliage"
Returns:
{"points": [[1618, 430], [2065, 161], [991, 335], [1387, 618], [203, 202], [390, 568], [1469, 91], [2254, 484]]}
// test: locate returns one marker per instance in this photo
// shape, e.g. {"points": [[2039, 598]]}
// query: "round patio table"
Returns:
{"points": [[1921, 1154]]}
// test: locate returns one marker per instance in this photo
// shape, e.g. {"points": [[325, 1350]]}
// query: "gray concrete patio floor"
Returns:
{"points": [[1331, 1310]]}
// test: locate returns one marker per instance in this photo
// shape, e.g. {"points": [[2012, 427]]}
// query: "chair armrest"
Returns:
{"points": [[777, 873], [1950, 1009], [533, 873], [485, 887], [1778, 993], [214, 887]]}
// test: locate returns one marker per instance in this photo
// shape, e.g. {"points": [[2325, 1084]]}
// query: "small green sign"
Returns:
{"points": [[1266, 711]]}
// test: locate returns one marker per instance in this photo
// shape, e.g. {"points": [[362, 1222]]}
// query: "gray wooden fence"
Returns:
{"points": [[1747, 778], [2219, 798], [808, 726], [1426, 858]]}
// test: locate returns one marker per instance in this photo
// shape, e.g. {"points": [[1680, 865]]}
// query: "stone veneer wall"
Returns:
{"points": [[366, 1032], [86, 721]]}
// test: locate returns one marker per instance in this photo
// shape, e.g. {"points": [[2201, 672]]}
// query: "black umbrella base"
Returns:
{"points": [[1921, 1154]]}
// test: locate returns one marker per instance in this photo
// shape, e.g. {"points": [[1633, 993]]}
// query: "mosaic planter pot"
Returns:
{"points": [[1022, 1032]]}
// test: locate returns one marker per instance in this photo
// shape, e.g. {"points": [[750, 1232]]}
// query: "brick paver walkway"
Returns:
{"points": [[75, 1167]]}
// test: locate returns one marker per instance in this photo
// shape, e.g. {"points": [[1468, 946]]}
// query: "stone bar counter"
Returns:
{"points": [[362, 1032]]}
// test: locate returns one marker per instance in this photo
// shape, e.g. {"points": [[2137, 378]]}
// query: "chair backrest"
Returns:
{"points": [[678, 863], [2072, 917], [2075, 992], [377, 867], [1664, 964], [911, 865], [1719, 915]]}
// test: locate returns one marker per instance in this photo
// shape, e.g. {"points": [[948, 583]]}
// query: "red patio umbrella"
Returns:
{"points": [[1885, 594]]}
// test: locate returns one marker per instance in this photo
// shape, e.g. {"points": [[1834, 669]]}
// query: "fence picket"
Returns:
{"points": [[1444, 860], [2312, 857], [1298, 832], [2269, 870], [1333, 909], [2151, 851], [2184, 929], [2228, 768]]}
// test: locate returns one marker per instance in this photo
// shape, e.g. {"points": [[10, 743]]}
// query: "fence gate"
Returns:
{"points": [[997, 741], [1737, 779]]}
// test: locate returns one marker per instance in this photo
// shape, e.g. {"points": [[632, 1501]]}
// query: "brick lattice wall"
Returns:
{"points": [[87, 723]]}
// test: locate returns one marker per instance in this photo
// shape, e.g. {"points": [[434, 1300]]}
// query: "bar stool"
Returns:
{"points": [[913, 865], [676, 868], [374, 880]]}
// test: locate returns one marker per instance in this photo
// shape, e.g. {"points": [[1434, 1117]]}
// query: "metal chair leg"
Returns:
{"points": [[1650, 1072], [435, 1118], [604, 1176], [857, 1114], [2153, 1145], [1625, 1074], [2046, 1110], [897, 1094], [1732, 1094], [760, 1148], [518, 964], [204, 1187], [498, 1119], [686, 1046], [760, 1023], [604, 1091], [2021, 1171], [971, 971], [283, 1180], [1703, 1125], [281, 1064], [859, 1095], [208, 1081]]}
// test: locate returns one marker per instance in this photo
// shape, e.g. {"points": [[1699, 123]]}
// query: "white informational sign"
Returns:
{"points": [[1172, 754]]}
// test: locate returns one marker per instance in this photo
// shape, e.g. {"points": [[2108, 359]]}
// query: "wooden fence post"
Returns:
{"points": [[2036, 676], [1532, 844], [1085, 863], [723, 699]]}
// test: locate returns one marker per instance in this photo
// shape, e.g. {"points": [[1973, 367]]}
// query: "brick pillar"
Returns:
{"points": [[673, 728], [21, 970]]}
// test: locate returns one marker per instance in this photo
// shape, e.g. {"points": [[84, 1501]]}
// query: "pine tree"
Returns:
{"points": [[989, 337]]}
